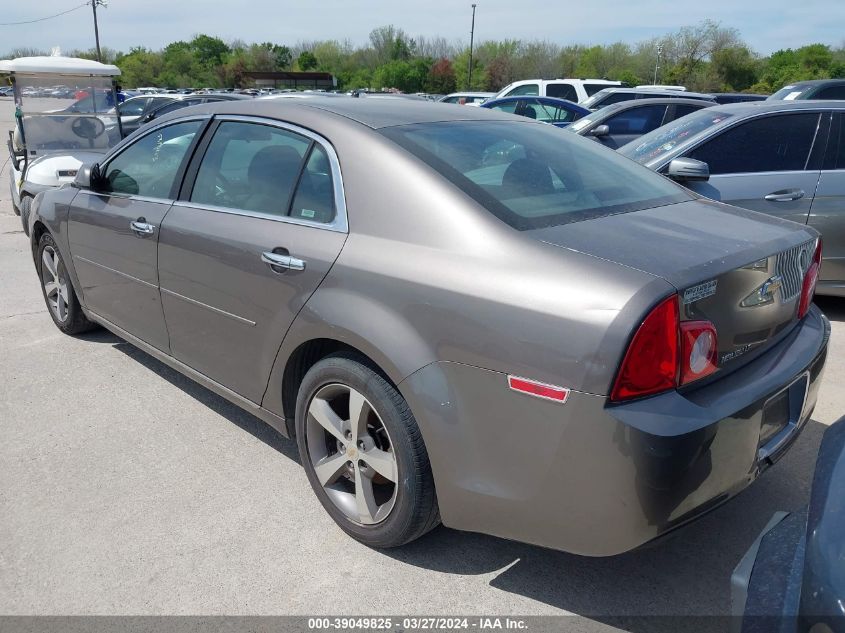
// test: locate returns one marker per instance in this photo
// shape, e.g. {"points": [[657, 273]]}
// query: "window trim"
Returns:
{"points": [[183, 167], [340, 223]]}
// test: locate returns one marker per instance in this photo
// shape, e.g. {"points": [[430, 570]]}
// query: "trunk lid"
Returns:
{"points": [[739, 269]]}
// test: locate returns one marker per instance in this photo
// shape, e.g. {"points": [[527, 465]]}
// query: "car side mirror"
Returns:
{"points": [[88, 177], [600, 130], [148, 117], [687, 170]]}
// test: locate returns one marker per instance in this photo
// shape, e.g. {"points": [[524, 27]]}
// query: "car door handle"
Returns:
{"points": [[278, 260], [785, 195], [141, 227]]}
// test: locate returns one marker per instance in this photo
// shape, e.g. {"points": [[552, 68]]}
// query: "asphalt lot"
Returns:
{"points": [[128, 489]]}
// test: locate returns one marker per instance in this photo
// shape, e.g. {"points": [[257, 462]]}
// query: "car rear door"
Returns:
{"points": [[827, 213], [260, 221], [769, 163], [113, 232]]}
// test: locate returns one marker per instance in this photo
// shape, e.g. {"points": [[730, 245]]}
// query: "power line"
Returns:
{"points": [[49, 17]]}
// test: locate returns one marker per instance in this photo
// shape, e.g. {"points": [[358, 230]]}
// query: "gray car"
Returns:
{"points": [[783, 158], [460, 315], [619, 124]]}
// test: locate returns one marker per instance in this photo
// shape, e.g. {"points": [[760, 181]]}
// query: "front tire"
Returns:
{"points": [[61, 300], [363, 453], [24, 211]]}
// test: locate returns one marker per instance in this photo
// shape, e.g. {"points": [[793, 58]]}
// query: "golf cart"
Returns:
{"points": [[61, 121]]}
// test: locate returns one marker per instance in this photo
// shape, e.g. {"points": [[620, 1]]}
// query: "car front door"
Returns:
{"points": [[260, 221], [827, 214], [766, 164], [113, 231]]}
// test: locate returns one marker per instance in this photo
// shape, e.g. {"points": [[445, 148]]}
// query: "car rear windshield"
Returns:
{"points": [[788, 93], [650, 147], [532, 175]]}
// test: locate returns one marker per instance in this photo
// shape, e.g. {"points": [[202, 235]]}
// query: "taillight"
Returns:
{"points": [[808, 288], [666, 353], [699, 350], [651, 362]]}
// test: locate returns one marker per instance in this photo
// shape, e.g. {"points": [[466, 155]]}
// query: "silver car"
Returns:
{"points": [[786, 159], [460, 315]]}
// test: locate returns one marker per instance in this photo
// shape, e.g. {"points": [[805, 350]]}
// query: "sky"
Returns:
{"points": [[767, 25]]}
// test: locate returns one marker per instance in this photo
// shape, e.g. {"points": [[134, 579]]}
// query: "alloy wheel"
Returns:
{"points": [[54, 280], [352, 454]]}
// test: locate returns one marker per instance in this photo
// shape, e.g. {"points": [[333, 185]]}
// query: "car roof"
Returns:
{"points": [[373, 113], [737, 94], [58, 65], [608, 82], [658, 91], [778, 105], [563, 103], [814, 82], [635, 103]]}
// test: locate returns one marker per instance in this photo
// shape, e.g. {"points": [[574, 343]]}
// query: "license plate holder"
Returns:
{"points": [[782, 417]]}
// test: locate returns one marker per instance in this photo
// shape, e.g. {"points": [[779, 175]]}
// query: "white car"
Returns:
{"points": [[575, 90]]}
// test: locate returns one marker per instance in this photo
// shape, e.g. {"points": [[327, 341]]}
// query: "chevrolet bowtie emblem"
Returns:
{"points": [[765, 294]]}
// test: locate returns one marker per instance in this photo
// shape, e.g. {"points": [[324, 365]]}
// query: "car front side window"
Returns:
{"points": [[765, 144], [150, 165], [252, 167]]}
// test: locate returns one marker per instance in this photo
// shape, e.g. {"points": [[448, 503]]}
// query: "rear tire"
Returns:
{"points": [[62, 302], [357, 430]]}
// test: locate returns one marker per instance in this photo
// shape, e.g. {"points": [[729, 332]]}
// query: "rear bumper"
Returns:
{"points": [[594, 479]]}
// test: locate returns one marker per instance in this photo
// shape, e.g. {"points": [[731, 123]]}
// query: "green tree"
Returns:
{"points": [[735, 68], [306, 61], [209, 51]]}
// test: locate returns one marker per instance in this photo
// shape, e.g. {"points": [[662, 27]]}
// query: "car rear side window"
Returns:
{"points": [[509, 107], [252, 167], [770, 143], [592, 89], [835, 155], [314, 198], [552, 114], [682, 109], [532, 176], [831, 92], [637, 120], [562, 91], [148, 167]]}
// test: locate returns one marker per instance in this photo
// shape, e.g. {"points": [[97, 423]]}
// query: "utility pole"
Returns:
{"points": [[471, 35], [94, 4], [657, 64]]}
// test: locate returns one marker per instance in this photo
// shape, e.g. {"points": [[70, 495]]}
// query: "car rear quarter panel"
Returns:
{"points": [[426, 275]]}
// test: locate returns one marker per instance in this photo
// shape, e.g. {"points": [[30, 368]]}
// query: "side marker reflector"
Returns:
{"points": [[538, 389]]}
